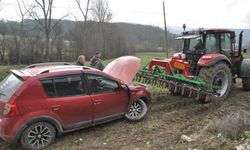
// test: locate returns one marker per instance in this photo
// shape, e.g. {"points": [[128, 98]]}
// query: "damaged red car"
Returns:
{"points": [[42, 101]]}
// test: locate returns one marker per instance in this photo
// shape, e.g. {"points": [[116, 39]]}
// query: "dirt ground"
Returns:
{"points": [[168, 118]]}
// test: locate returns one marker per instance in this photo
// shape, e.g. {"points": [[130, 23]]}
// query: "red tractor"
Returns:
{"points": [[205, 68]]}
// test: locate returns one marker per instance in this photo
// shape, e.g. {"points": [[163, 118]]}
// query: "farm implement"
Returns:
{"points": [[205, 69], [177, 83]]}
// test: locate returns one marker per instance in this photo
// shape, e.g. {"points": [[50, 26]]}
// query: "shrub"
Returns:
{"points": [[234, 125]]}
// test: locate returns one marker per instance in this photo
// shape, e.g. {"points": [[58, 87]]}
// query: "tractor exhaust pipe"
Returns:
{"points": [[240, 42]]}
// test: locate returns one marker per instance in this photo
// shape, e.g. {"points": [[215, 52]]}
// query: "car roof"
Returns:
{"points": [[32, 71]]}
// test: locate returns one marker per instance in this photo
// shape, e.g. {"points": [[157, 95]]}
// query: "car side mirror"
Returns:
{"points": [[244, 50]]}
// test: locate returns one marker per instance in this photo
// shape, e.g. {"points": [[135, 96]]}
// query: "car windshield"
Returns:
{"points": [[193, 43], [8, 86]]}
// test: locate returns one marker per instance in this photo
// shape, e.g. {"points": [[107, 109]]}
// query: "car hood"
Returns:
{"points": [[123, 68]]}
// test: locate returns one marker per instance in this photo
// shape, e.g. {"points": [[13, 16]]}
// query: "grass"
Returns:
{"points": [[247, 55], [145, 59], [157, 93], [5, 70]]}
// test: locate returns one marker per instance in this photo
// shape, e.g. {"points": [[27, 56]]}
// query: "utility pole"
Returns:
{"points": [[165, 26]]}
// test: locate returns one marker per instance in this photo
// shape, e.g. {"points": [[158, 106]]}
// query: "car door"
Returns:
{"points": [[69, 100], [110, 102]]}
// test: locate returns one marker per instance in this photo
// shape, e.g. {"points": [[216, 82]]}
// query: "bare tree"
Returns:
{"points": [[79, 32], [83, 12], [101, 11], [3, 44], [57, 42], [2, 39], [1, 7], [20, 35], [41, 12]]}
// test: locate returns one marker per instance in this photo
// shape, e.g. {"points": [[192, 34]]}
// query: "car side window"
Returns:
{"points": [[102, 84], [61, 86], [48, 87]]}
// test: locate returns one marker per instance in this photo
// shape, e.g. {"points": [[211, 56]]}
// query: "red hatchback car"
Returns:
{"points": [[39, 102]]}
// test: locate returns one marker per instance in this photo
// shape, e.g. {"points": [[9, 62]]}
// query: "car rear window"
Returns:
{"points": [[9, 86]]}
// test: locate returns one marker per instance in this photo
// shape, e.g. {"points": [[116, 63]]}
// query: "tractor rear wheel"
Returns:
{"points": [[246, 84], [219, 75]]}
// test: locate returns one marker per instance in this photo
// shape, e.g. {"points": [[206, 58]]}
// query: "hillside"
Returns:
{"points": [[246, 35], [139, 37], [145, 37]]}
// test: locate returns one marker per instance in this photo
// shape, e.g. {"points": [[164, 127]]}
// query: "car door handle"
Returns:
{"points": [[97, 102], [56, 107]]}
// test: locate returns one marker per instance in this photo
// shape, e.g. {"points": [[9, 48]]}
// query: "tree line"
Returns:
{"points": [[37, 37]]}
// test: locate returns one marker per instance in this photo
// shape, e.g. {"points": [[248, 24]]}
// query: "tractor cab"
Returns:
{"points": [[208, 41], [212, 42]]}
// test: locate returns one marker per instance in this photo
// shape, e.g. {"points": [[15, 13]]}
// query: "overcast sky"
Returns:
{"points": [[195, 13]]}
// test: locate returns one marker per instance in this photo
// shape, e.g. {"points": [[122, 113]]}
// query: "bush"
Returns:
{"points": [[234, 125]]}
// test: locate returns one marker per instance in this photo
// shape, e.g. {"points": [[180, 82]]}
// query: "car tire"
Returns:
{"points": [[137, 111], [38, 136]]}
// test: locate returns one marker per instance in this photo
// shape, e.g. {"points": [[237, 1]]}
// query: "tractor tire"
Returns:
{"points": [[246, 84], [220, 75]]}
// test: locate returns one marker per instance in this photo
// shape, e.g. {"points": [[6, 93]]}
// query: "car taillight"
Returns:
{"points": [[10, 110]]}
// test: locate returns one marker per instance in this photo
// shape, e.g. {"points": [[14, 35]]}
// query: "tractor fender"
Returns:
{"points": [[211, 59], [245, 68]]}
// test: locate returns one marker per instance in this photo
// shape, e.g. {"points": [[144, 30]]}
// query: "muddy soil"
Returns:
{"points": [[168, 118]]}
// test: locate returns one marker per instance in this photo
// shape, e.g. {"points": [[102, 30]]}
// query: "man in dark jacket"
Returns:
{"points": [[96, 61], [80, 60]]}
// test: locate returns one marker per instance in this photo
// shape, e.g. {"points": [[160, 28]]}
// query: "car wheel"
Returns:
{"points": [[38, 136], [137, 111]]}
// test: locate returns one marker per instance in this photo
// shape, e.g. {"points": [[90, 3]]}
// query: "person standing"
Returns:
{"points": [[81, 60], [96, 61]]}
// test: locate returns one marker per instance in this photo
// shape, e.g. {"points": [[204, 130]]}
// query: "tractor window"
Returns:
{"points": [[193, 44], [211, 43], [225, 42]]}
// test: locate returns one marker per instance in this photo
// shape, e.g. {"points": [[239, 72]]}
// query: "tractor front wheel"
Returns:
{"points": [[218, 75]]}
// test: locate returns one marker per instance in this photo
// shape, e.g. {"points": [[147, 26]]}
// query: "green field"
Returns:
{"points": [[247, 55], [145, 58], [5, 70]]}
